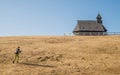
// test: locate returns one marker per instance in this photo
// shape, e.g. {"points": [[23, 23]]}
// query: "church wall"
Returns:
{"points": [[89, 33]]}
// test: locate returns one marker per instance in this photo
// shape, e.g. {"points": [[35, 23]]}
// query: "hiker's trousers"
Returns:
{"points": [[16, 57]]}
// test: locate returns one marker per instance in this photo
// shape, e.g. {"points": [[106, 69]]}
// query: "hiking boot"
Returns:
{"points": [[13, 62]]}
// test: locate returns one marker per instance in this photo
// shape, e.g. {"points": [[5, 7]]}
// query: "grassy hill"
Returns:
{"points": [[59, 55]]}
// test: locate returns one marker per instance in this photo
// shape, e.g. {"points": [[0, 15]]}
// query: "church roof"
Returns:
{"points": [[89, 25]]}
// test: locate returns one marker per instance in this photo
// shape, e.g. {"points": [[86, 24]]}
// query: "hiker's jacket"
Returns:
{"points": [[17, 51]]}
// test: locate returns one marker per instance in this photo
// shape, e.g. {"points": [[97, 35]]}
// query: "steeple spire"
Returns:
{"points": [[99, 18]]}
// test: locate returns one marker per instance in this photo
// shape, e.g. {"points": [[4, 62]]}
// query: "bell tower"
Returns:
{"points": [[99, 18]]}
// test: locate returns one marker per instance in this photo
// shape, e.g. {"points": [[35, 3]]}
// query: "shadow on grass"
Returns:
{"points": [[31, 64]]}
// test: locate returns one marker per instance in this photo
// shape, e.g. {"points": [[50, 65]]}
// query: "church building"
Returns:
{"points": [[90, 27]]}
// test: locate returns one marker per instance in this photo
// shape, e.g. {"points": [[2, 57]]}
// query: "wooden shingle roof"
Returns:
{"points": [[89, 25]]}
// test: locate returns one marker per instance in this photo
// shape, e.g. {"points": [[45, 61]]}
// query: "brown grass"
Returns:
{"points": [[59, 55]]}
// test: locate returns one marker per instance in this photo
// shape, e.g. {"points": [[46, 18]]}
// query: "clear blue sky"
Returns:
{"points": [[54, 17]]}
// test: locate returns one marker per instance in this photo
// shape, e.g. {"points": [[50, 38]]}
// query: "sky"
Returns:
{"points": [[54, 17]]}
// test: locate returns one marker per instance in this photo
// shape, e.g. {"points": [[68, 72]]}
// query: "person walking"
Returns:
{"points": [[16, 57]]}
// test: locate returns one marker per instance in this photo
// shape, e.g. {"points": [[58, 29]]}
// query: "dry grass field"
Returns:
{"points": [[59, 55]]}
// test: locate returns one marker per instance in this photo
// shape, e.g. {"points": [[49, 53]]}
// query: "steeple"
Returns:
{"points": [[99, 18]]}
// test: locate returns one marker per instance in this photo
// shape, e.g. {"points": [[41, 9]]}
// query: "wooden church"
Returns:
{"points": [[90, 27]]}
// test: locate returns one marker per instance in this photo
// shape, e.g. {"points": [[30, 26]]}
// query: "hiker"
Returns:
{"points": [[16, 57]]}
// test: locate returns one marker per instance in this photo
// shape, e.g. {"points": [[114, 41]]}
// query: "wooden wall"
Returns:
{"points": [[89, 33]]}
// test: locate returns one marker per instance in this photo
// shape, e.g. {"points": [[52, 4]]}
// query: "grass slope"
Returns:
{"points": [[58, 55]]}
